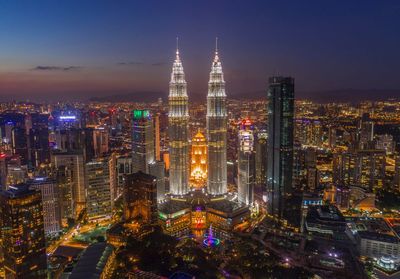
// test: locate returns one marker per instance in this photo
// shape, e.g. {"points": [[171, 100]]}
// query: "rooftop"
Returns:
{"points": [[92, 261], [172, 206]]}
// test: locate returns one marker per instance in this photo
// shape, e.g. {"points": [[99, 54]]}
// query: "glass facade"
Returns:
{"points": [[280, 143], [216, 130], [178, 131]]}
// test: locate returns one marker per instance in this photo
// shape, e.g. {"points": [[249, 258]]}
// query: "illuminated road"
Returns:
{"points": [[67, 239]]}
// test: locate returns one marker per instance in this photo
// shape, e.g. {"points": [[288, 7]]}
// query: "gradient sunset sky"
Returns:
{"points": [[70, 49]]}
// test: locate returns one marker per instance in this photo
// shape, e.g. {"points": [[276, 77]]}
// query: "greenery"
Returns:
{"points": [[240, 256], [387, 199]]}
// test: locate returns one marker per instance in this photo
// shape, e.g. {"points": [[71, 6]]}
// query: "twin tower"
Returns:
{"points": [[178, 129]]}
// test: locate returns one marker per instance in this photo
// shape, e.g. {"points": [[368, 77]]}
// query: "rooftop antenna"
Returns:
{"points": [[177, 45], [216, 45]]}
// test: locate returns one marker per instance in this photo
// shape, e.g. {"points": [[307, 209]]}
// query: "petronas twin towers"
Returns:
{"points": [[178, 129]]}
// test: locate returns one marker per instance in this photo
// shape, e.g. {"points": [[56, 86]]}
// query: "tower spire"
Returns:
{"points": [[177, 48], [216, 58]]}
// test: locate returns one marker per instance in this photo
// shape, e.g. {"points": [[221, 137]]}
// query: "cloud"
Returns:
{"points": [[56, 68], [130, 63], [159, 64], [134, 63]]}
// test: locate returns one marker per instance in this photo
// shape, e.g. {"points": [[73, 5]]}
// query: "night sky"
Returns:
{"points": [[69, 49]]}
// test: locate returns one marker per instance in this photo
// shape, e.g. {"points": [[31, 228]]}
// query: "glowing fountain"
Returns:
{"points": [[210, 240]]}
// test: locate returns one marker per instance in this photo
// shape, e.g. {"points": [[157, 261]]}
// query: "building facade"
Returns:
{"points": [[22, 234], [74, 163], [280, 143], [140, 197], [178, 130], [51, 202], [246, 163], [98, 192], [142, 141], [198, 164], [217, 130]]}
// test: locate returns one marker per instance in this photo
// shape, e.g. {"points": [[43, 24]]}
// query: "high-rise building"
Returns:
{"points": [[39, 139], [157, 137], [22, 233], [178, 130], [385, 142], [98, 192], [260, 146], [3, 171], [74, 162], [51, 202], [198, 165], [396, 178], [366, 130], [157, 169], [100, 141], [140, 197], [280, 143], [363, 168], [246, 163], [112, 165], [124, 167], [13, 129], [216, 130], [64, 176], [142, 141]]}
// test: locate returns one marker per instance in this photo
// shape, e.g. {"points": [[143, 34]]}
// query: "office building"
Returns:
{"points": [[142, 141], [39, 139], [49, 190], [98, 189], [363, 168], [280, 143], [178, 130], [140, 197], [157, 169], [246, 163], [74, 163], [22, 233], [217, 130]]}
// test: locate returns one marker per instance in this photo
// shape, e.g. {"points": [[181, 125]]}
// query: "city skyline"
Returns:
{"points": [[78, 50], [199, 139]]}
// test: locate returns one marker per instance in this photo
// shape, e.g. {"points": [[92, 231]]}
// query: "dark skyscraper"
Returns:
{"points": [[39, 139], [140, 197], [142, 141], [22, 233], [280, 143]]}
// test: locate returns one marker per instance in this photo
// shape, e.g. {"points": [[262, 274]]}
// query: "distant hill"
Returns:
{"points": [[140, 96], [324, 96]]}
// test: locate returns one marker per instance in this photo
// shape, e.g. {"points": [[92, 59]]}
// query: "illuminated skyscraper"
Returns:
{"points": [[178, 129], [157, 138], [51, 202], [142, 141], [280, 143], [100, 142], [216, 129], [246, 163], [198, 165], [260, 146], [98, 189], [73, 163], [22, 233]]}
